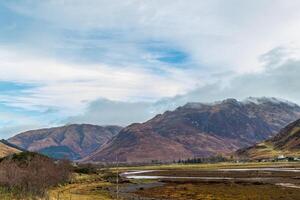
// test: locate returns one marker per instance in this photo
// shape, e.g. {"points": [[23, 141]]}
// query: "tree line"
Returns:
{"points": [[212, 159]]}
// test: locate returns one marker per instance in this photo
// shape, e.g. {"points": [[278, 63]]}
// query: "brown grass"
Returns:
{"points": [[220, 191], [7, 150]]}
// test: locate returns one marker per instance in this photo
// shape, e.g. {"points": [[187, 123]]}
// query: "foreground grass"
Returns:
{"points": [[84, 187], [6, 195], [98, 186]]}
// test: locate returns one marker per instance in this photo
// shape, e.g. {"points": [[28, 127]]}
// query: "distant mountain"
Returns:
{"points": [[71, 141], [7, 149], [199, 130], [286, 143]]}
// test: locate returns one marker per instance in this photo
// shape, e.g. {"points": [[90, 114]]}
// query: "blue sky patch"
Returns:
{"points": [[173, 56], [14, 27], [10, 87], [165, 53]]}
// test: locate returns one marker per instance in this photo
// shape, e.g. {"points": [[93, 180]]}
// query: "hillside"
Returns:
{"points": [[71, 141], [286, 143], [199, 130], [6, 149]]}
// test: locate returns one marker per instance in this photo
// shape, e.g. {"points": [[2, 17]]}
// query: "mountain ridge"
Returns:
{"points": [[286, 142], [198, 130], [72, 141]]}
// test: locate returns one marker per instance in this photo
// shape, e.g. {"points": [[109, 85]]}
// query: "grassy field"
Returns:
{"points": [[102, 186], [267, 150], [84, 187], [210, 166]]}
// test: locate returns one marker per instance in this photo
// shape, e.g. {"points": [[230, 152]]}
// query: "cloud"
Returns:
{"points": [[216, 36], [281, 82], [69, 87], [222, 35], [106, 112], [14, 122], [93, 58]]}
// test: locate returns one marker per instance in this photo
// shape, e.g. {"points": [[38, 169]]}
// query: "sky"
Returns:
{"points": [[124, 61]]}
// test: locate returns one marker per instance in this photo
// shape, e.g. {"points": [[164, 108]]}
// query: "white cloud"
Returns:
{"points": [[220, 34], [229, 45], [280, 82], [9, 127], [69, 87]]}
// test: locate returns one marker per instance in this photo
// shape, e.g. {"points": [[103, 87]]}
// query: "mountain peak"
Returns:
{"points": [[72, 141], [230, 101], [273, 100], [194, 105], [196, 130], [248, 100], [199, 105]]}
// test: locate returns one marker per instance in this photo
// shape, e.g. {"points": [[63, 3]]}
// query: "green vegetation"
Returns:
{"points": [[59, 152], [213, 159], [86, 169], [266, 150], [23, 157], [209, 166]]}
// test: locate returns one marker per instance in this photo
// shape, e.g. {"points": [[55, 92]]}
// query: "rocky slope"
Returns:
{"points": [[6, 149], [286, 143], [199, 130], [72, 141]]}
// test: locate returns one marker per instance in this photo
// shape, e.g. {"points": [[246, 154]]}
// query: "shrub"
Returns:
{"points": [[86, 169], [32, 173]]}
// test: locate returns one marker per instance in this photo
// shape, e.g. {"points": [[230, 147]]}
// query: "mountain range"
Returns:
{"points": [[73, 141], [286, 143], [199, 130], [192, 130]]}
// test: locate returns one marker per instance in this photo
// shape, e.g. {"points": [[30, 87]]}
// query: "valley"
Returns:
{"points": [[255, 181], [223, 151]]}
